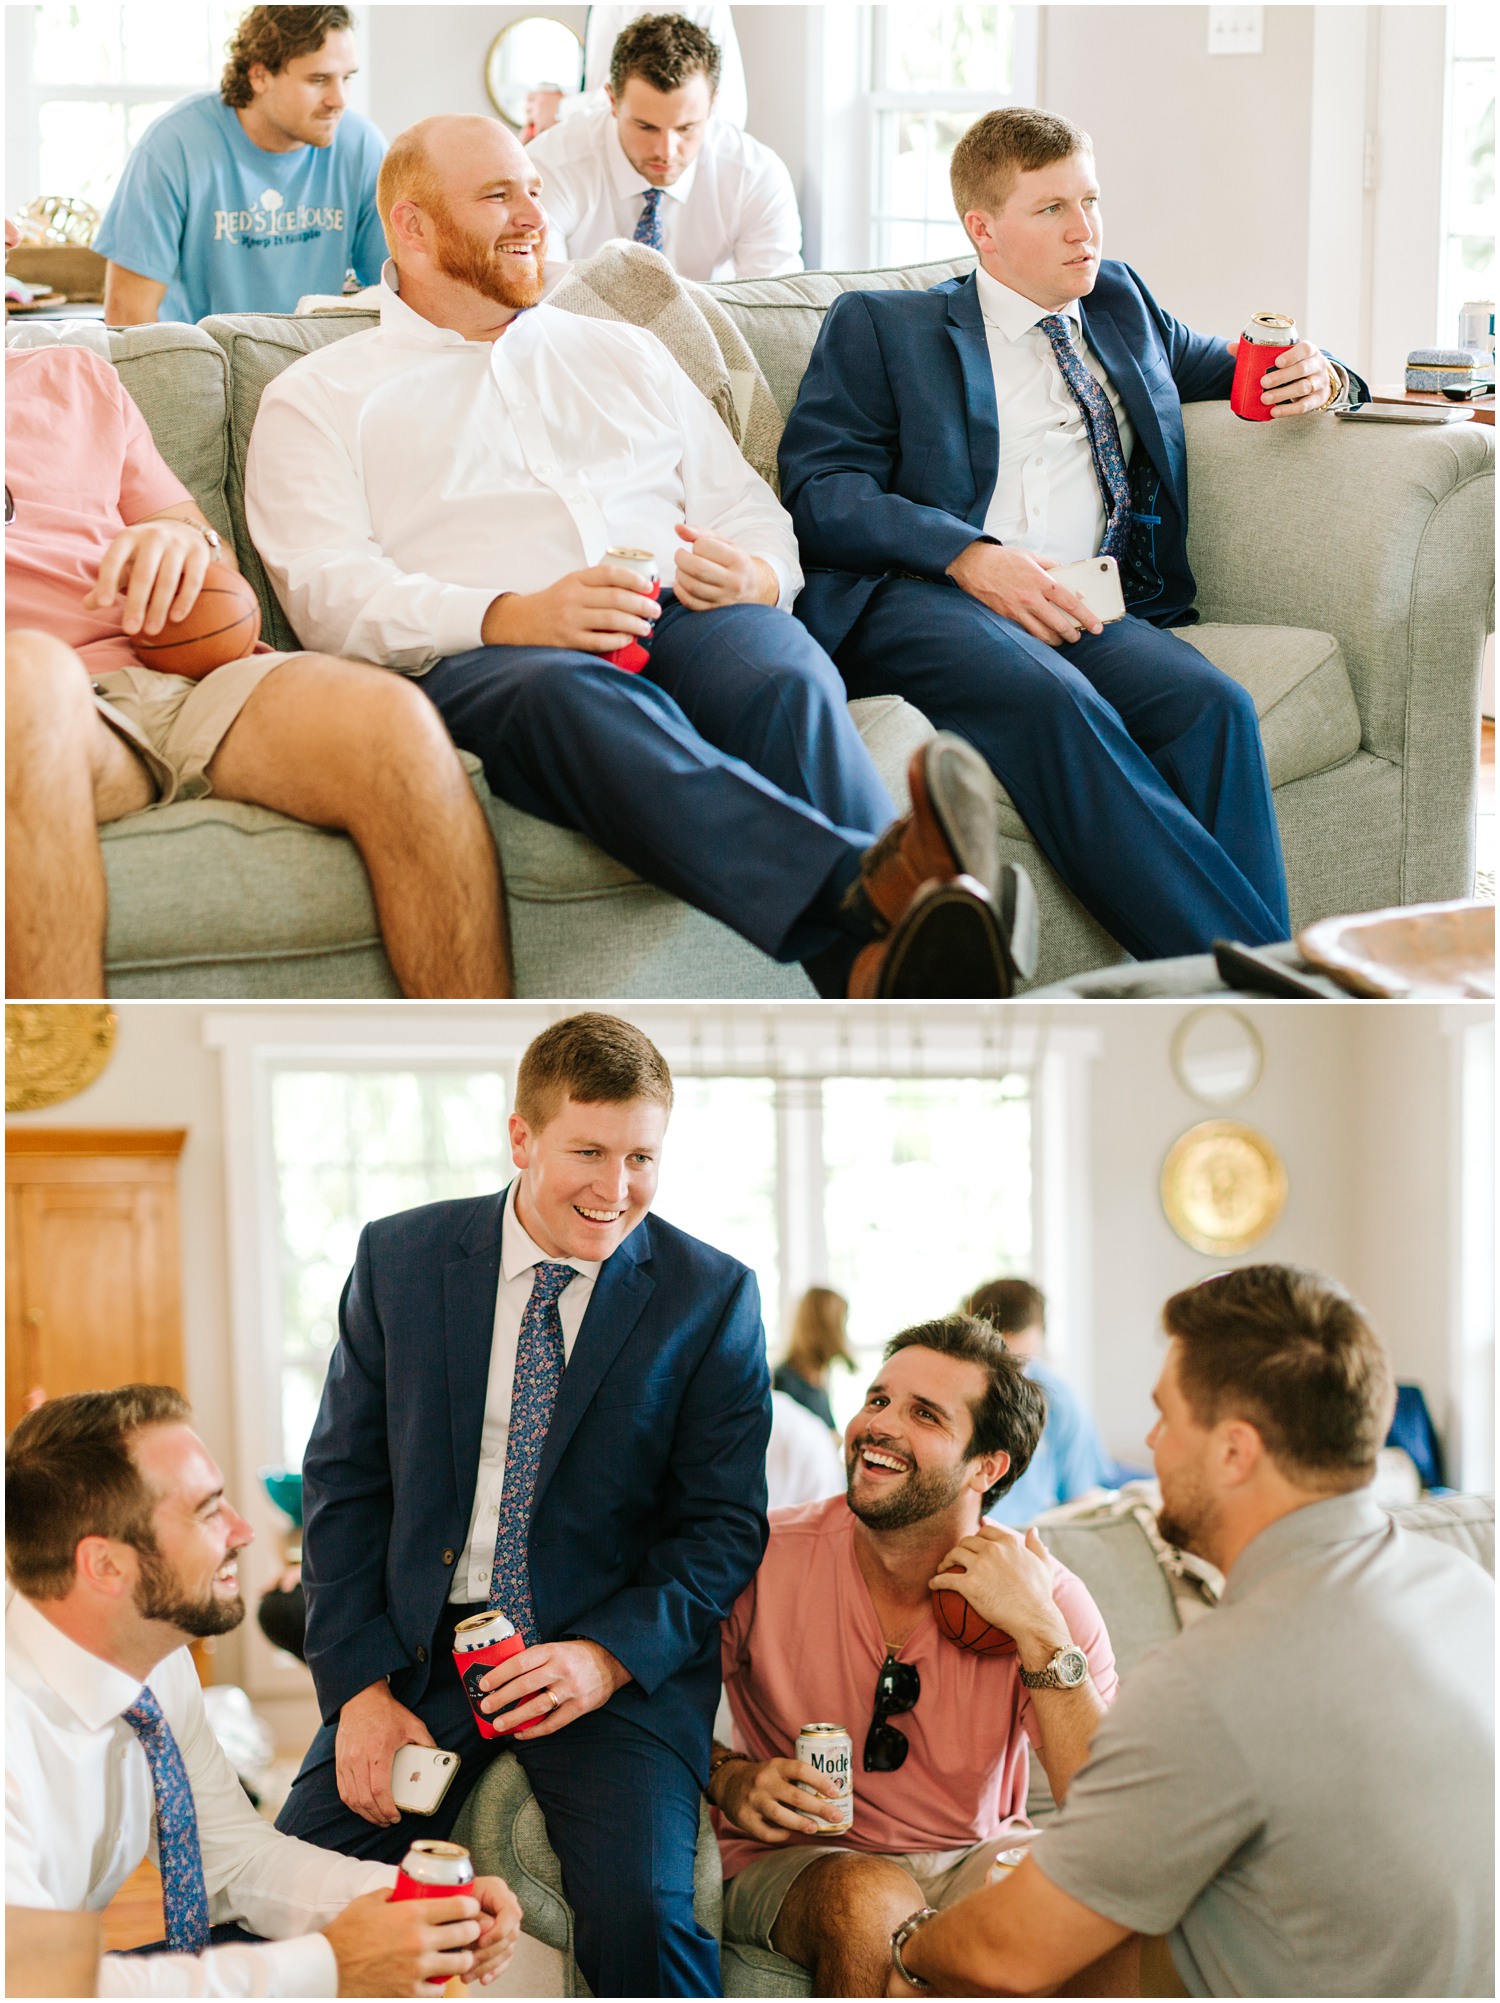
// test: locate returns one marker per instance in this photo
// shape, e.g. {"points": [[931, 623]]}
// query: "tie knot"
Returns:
{"points": [[653, 202], [145, 1714], [550, 1280], [1056, 328]]}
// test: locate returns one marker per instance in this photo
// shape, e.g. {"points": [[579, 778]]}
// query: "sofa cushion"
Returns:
{"points": [[1308, 717], [179, 379]]}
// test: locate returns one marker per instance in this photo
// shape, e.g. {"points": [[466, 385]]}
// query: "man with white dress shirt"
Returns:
{"points": [[120, 1546], [950, 449], [657, 163], [443, 491]]}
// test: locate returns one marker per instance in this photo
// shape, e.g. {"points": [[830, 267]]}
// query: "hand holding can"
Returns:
{"points": [[479, 1643], [431, 1870], [633, 656], [1265, 340]]}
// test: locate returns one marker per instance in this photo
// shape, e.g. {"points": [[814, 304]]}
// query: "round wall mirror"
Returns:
{"points": [[532, 65], [1217, 1056]]}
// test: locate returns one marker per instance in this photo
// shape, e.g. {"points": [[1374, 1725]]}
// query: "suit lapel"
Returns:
{"points": [[469, 1288], [621, 1292], [966, 329], [1124, 372]]}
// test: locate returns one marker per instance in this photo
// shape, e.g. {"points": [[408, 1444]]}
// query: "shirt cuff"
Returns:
{"points": [[306, 1966], [785, 590], [461, 615], [1341, 376]]}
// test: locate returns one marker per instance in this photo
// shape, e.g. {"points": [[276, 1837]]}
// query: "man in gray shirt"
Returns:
{"points": [[1299, 1789]]}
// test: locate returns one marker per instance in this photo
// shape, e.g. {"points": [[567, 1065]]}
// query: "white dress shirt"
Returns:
{"points": [[400, 479], [79, 1818], [519, 1257], [1047, 497], [731, 214]]}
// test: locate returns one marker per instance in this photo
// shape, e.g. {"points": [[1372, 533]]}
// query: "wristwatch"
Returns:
{"points": [[1067, 1669], [210, 536], [899, 1939]]}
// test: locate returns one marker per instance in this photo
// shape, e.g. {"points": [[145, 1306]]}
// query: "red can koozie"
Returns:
{"points": [[632, 657], [1262, 345], [434, 1871], [478, 1644]]}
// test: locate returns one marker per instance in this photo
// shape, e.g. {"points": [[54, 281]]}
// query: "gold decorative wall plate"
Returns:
{"points": [[1223, 1186], [53, 1050]]}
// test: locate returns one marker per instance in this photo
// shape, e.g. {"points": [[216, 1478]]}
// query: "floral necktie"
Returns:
{"points": [[184, 1897], [1104, 433], [648, 230], [539, 1369]]}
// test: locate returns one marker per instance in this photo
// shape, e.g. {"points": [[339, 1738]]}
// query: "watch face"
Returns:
{"points": [[1072, 1666]]}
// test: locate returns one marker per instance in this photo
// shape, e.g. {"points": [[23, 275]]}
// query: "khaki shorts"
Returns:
{"points": [[753, 1898], [175, 725]]}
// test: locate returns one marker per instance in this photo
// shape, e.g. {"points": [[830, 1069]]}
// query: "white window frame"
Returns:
{"points": [[1455, 222], [881, 101], [793, 1043]]}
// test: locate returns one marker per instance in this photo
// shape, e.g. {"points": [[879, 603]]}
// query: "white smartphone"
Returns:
{"points": [[420, 1777], [1096, 580]]}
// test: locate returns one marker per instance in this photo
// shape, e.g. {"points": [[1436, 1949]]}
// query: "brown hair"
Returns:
{"points": [[596, 1059], [1010, 1415], [1001, 146], [820, 1332], [70, 1474], [665, 50], [274, 36], [1009, 1305], [1294, 1354]]}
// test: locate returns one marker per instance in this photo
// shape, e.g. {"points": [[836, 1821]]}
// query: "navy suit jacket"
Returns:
{"points": [[650, 1509], [890, 455]]}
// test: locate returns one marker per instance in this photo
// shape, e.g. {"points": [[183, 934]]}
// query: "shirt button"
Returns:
{"points": [[421, 1654], [449, 1556], [1038, 460]]}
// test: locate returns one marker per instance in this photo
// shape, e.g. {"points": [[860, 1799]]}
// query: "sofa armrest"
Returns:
{"points": [[1384, 537]]}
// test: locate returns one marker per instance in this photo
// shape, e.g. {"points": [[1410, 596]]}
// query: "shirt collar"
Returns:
{"points": [[627, 180], [93, 1689], [396, 317], [1317, 1526], [1010, 313], [519, 1251]]}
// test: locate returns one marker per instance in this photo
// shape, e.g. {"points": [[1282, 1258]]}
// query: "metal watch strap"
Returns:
{"points": [[211, 536], [899, 1939], [1048, 1678], [719, 1761]]}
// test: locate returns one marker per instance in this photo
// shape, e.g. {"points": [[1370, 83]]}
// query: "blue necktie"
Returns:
{"points": [[539, 1369], [184, 1897], [1104, 433], [648, 230]]}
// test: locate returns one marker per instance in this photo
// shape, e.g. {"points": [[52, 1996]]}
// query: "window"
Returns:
{"points": [[935, 70], [101, 71], [1468, 167]]}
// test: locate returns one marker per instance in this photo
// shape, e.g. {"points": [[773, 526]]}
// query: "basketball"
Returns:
{"points": [[967, 1629], [223, 625]]}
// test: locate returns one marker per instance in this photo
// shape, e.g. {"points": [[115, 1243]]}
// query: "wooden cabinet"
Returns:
{"points": [[93, 1293]]}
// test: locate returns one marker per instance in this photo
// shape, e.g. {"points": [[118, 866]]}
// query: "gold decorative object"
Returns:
{"points": [[61, 219], [53, 1050], [530, 54], [1223, 1186]]}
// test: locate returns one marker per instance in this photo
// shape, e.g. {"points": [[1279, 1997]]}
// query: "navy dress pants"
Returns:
{"points": [[1136, 764], [728, 772], [621, 1810]]}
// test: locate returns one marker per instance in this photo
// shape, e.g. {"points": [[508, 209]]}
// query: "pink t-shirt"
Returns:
{"points": [[803, 1643], [81, 465]]}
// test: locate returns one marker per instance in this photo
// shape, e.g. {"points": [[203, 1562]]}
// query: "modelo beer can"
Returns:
{"points": [[634, 655], [1265, 340], [478, 1644], [829, 1750], [434, 1871]]}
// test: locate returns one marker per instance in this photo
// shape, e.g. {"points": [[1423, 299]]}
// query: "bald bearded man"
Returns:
{"points": [[442, 492]]}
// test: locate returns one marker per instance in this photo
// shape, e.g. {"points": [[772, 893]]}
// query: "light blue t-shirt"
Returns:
{"points": [[1069, 1459], [230, 228]]}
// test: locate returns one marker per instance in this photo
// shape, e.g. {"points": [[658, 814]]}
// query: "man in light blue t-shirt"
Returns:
{"points": [[244, 200], [1070, 1458]]}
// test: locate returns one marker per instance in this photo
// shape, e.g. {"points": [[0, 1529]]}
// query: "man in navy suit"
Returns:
{"points": [[950, 448], [549, 1402]]}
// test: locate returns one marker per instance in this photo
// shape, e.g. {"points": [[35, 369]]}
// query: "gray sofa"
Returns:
{"points": [[503, 1826], [1345, 577]]}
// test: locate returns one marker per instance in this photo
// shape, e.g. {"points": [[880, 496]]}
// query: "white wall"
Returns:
{"points": [[424, 60]]}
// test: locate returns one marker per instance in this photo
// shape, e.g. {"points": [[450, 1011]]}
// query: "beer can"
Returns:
{"points": [[1005, 1862], [633, 656], [1266, 338], [431, 1870], [829, 1750], [478, 1644]]}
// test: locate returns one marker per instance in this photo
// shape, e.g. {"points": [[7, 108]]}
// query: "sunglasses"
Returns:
{"points": [[10, 508], [897, 1689]]}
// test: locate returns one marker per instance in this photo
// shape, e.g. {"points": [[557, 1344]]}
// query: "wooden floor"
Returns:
{"points": [[1484, 829], [134, 1916]]}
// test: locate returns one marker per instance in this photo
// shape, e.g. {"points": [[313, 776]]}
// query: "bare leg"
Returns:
{"points": [[838, 1918], [65, 771], [1117, 1973], [347, 746]]}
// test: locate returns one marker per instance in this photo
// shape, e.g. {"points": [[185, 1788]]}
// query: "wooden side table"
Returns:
{"points": [[1482, 410]]}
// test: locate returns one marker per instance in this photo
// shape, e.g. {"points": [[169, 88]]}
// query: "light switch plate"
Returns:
{"points": [[1236, 31]]}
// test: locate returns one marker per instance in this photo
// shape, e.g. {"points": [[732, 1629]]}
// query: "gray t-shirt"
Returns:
{"points": [[1300, 1787]]}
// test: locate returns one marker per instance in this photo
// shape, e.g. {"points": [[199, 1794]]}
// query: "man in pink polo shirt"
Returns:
{"points": [[838, 1625], [102, 541]]}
